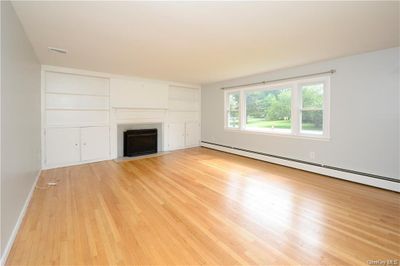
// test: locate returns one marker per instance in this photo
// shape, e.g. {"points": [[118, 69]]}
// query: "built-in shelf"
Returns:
{"points": [[79, 125], [77, 109], [183, 110], [78, 94]]}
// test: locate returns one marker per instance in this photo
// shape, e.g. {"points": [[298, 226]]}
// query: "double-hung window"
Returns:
{"points": [[299, 108], [312, 108], [233, 109]]}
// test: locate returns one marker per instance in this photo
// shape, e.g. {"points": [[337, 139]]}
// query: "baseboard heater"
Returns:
{"points": [[395, 183]]}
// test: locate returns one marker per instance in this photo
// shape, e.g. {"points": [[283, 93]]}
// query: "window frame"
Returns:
{"points": [[295, 86], [264, 88], [227, 110]]}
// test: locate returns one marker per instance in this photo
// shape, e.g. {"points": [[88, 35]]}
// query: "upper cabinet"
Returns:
{"points": [[183, 99], [62, 83], [127, 93], [75, 100]]}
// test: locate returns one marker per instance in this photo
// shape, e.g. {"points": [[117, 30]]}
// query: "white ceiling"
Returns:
{"points": [[203, 42]]}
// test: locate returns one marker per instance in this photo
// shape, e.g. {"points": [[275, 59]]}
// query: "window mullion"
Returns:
{"points": [[242, 111], [295, 109]]}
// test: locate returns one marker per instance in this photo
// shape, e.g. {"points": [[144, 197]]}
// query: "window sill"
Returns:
{"points": [[278, 134]]}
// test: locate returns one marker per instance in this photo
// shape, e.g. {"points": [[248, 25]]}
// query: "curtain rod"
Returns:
{"points": [[275, 80]]}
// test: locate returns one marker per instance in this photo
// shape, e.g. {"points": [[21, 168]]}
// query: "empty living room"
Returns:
{"points": [[200, 133]]}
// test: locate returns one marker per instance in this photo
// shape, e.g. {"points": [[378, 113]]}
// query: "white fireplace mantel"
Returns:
{"points": [[136, 116]]}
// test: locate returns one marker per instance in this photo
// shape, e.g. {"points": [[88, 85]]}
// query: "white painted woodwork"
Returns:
{"points": [[95, 143], [174, 116], [62, 146], [184, 93], [74, 104], [76, 84], [76, 118], [183, 99], [180, 105], [183, 117], [192, 134], [82, 102], [139, 115], [127, 93], [94, 105], [176, 136], [133, 116]]}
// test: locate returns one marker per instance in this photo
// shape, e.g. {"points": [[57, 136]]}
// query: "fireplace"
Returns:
{"points": [[140, 142]]}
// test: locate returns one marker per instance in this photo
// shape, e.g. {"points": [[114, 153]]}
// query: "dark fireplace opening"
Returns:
{"points": [[140, 142]]}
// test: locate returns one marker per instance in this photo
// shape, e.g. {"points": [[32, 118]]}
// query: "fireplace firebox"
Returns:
{"points": [[140, 142]]}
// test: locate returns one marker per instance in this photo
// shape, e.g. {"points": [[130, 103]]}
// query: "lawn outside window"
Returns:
{"points": [[293, 108]]}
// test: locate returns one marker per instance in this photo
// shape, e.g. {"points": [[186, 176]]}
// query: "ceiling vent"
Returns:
{"points": [[57, 50]]}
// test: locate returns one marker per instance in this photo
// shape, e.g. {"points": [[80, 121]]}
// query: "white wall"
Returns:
{"points": [[20, 121], [364, 116]]}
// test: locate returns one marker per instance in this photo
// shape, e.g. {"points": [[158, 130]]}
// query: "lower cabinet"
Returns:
{"points": [[95, 143], [62, 146], [183, 135], [176, 136], [192, 134], [68, 146]]}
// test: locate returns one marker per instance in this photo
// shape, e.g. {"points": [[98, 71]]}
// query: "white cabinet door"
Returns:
{"points": [[95, 143], [192, 134], [176, 136], [62, 146]]}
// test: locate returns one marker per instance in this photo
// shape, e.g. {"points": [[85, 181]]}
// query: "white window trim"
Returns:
{"points": [[226, 110], [296, 109]]}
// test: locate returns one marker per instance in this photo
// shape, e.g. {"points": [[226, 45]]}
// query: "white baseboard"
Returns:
{"points": [[14, 233], [366, 180]]}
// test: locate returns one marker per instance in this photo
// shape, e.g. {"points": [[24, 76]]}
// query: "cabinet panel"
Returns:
{"points": [[178, 117], [183, 99], [76, 118], [192, 137], [65, 101], [176, 136], [184, 94], [76, 84], [62, 146], [179, 105], [95, 143]]}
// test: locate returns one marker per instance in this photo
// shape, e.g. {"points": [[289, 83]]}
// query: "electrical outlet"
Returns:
{"points": [[312, 155]]}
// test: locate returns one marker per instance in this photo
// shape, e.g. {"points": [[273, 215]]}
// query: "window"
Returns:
{"points": [[312, 101], [233, 110], [269, 109], [299, 108]]}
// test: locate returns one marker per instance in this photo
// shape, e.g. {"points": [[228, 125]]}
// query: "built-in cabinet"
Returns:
{"points": [[82, 111], [183, 135], [176, 136], [76, 119], [95, 143], [62, 146], [192, 134], [183, 117], [72, 145]]}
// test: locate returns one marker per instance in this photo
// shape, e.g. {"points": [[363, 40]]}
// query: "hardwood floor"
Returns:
{"points": [[200, 206]]}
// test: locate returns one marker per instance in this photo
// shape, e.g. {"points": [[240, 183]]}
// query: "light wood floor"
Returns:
{"points": [[200, 206]]}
